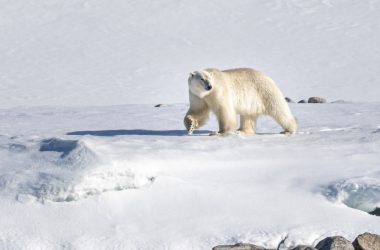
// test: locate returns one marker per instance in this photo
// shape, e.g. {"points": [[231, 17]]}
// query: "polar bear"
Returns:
{"points": [[228, 93]]}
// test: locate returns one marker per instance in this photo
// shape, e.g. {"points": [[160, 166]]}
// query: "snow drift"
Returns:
{"points": [[64, 170]]}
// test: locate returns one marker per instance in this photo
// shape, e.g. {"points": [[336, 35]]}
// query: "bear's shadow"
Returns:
{"points": [[137, 132]]}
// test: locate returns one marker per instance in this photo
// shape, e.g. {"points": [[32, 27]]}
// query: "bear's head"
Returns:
{"points": [[200, 83]]}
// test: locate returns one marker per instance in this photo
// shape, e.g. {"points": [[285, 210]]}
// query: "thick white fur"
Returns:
{"points": [[245, 92]]}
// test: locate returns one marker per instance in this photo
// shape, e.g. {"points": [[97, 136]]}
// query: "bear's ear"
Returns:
{"points": [[208, 74]]}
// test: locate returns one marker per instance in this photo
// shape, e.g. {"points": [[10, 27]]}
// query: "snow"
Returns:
{"points": [[87, 162], [140, 182], [55, 53]]}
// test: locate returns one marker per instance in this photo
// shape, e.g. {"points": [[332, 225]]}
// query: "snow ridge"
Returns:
{"points": [[65, 170]]}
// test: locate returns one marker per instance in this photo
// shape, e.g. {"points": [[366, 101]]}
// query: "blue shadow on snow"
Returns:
{"points": [[137, 132]]}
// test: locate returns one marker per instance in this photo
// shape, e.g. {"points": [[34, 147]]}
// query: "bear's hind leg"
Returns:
{"points": [[288, 123], [227, 121], [247, 125]]}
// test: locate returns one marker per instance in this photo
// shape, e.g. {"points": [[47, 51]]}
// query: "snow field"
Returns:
{"points": [[86, 162], [84, 53], [197, 191]]}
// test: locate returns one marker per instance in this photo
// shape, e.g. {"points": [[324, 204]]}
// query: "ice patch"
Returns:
{"points": [[327, 129], [361, 193], [332, 129]]}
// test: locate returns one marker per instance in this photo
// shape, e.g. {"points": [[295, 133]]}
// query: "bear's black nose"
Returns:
{"points": [[209, 87]]}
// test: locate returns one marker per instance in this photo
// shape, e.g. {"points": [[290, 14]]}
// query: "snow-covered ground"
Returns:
{"points": [[87, 162], [128, 177]]}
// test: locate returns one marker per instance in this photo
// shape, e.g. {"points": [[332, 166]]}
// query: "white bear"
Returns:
{"points": [[245, 92]]}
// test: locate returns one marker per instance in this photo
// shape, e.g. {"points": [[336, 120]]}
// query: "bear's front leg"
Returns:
{"points": [[227, 121], [190, 123]]}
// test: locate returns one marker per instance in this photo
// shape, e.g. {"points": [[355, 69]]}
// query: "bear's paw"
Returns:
{"points": [[190, 124]]}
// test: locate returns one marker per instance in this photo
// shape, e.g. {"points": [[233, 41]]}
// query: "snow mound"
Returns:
{"points": [[66, 170], [74, 154], [58, 145], [361, 193]]}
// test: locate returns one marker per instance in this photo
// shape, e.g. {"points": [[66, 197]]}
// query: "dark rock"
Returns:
{"points": [[334, 243], [302, 247], [316, 100], [289, 100], [159, 105], [302, 101], [377, 210], [238, 246], [367, 241]]}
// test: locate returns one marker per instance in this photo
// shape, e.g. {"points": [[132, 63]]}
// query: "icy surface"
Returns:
{"points": [[361, 193], [87, 162]]}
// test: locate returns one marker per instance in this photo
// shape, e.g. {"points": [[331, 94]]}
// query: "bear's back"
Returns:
{"points": [[249, 76], [244, 73]]}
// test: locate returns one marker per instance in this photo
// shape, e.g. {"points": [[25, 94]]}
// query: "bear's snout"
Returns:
{"points": [[207, 85]]}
